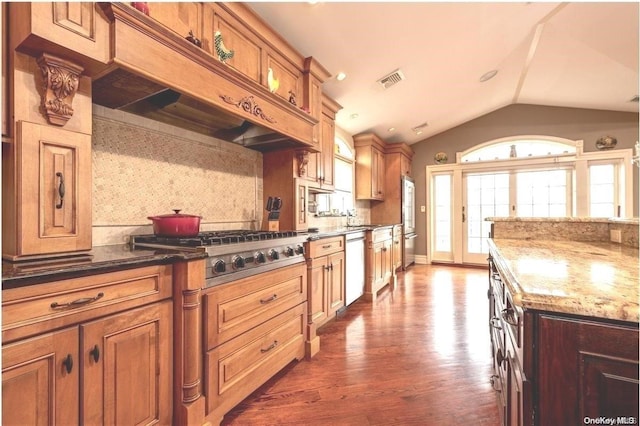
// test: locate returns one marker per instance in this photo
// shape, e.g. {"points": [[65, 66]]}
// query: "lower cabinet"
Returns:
{"points": [[398, 237], [113, 368], [577, 368], [326, 282], [253, 327], [40, 380], [379, 265]]}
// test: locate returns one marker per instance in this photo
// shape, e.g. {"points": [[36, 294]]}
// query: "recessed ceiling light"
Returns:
{"points": [[418, 132], [341, 76], [354, 115], [391, 129], [488, 75]]}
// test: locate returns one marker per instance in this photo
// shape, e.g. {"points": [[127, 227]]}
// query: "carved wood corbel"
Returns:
{"points": [[303, 161], [61, 79]]}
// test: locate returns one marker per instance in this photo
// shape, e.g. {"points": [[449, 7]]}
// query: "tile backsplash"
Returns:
{"points": [[143, 168]]}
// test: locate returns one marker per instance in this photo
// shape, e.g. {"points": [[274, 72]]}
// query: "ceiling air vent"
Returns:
{"points": [[391, 79], [634, 99]]}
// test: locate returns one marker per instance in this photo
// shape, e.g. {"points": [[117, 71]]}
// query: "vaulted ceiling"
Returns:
{"points": [[582, 55]]}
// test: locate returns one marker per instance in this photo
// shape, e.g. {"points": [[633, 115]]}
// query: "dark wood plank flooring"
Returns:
{"points": [[419, 355]]}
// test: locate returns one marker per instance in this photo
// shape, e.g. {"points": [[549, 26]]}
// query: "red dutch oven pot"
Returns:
{"points": [[176, 225]]}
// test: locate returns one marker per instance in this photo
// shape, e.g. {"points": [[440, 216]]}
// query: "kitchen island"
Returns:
{"points": [[564, 328]]}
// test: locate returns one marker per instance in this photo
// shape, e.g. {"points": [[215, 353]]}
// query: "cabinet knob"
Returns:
{"points": [[68, 363], [95, 353], [499, 357]]}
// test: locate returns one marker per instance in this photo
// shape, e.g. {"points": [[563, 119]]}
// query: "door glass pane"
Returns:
{"points": [[487, 196], [541, 193], [442, 216], [602, 190]]}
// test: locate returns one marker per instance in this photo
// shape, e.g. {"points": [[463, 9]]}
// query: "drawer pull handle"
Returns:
{"points": [[492, 323], [499, 357], [61, 190], [493, 379], [269, 299], [77, 303], [68, 363], [271, 346], [326, 246], [489, 293], [95, 353], [509, 317]]}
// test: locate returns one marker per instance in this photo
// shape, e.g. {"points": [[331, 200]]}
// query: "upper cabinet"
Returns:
{"points": [[370, 167], [397, 159], [74, 30], [51, 176]]}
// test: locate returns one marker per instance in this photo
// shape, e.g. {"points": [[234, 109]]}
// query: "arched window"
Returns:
{"points": [[520, 147]]}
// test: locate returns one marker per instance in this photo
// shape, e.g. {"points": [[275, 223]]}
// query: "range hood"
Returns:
{"points": [[186, 87]]}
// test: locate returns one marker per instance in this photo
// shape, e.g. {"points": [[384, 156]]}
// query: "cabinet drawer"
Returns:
{"points": [[232, 309], [238, 367], [382, 234], [325, 246], [30, 310]]}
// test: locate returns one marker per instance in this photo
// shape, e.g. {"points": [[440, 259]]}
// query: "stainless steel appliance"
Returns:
{"points": [[235, 254], [408, 221], [354, 264]]}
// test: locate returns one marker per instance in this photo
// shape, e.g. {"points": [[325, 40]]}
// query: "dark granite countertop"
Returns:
{"points": [[98, 260], [342, 230]]}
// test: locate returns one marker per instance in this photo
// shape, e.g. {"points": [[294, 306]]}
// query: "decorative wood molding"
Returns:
{"points": [[61, 79], [303, 161], [249, 105]]}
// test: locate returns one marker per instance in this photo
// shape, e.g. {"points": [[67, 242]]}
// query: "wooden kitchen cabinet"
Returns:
{"points": [[253, 328], [127, 364], [326, 275], [40, 380], [593, 362], [90, 350], [370, 167], [49, 171], [397, 157], [279, 181], [74, 30], [313, 76], [379, 266], [398, 237]]}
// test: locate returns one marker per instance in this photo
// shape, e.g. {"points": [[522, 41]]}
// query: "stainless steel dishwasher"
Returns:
{"points": [[354, 264]]}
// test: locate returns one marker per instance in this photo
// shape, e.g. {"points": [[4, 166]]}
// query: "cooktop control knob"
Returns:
{"points": [[238, 262], [274, 255], [300, 249], [219, 267], [289, 251], [260, 257]]}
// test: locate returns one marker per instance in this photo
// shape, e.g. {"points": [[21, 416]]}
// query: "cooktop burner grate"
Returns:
{"points": [[215, 238]]}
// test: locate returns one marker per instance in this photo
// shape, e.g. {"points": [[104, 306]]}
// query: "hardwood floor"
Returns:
{"points": [[419, 355]]}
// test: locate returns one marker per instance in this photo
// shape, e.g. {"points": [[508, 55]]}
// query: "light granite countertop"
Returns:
{"points": [[593, 279]]}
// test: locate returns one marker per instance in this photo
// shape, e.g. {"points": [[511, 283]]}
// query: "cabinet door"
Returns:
{"points": [[596, 365], [387, 266], [54, 186], [378, 175], [378, 264], [336, 282], [317, 290], [40, 384], [327, 154], [247, 48], [289, 78], [127, 373], [301, 191]]}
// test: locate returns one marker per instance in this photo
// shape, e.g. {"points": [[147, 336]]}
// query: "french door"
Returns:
{"points": [[461, 201]]}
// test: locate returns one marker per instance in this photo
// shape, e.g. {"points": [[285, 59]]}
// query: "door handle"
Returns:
{"points": [[61, 190]]}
